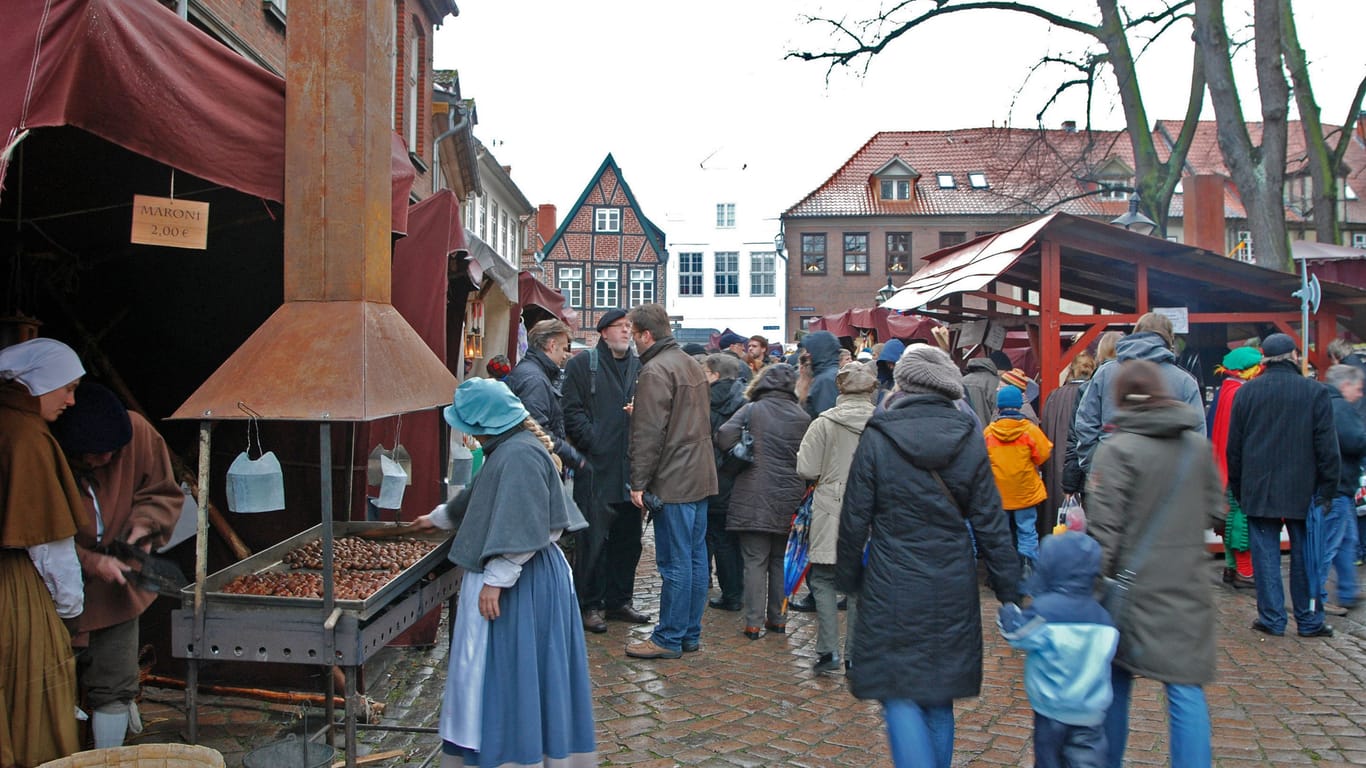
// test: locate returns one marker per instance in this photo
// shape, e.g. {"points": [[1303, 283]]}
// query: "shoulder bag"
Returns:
{"points": [[743, 450]]}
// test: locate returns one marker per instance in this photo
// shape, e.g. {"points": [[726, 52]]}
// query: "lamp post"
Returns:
{"points": [[885, 292], [1134, 221]]}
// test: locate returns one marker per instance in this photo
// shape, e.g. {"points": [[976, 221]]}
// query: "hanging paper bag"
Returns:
{"points": [[391, 485], [374, 473], [401, 457], [255, 485]]}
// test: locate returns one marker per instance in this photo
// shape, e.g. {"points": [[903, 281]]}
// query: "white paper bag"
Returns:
{"points": [[255, 485]]}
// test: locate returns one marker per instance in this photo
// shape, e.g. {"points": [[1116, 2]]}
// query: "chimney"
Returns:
{"points": [[1361, 125], [336, 350], [1203, 223], [1069, 126], [546, 223]]}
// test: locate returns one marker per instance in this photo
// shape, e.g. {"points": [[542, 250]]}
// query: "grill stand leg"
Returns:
{"points": [[351, 703]]}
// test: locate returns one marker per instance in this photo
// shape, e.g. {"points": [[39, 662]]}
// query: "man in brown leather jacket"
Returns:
{"points": [[671, 458]]}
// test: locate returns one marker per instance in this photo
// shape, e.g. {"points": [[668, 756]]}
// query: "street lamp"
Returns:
{"points": [[885, 292], [779, 244], [1135, 221]]}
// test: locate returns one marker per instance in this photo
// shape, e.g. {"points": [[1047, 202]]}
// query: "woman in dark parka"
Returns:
{"points": [[918, 644], [767, 493]]}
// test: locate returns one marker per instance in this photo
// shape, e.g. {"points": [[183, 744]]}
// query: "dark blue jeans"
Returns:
{"points": [[1340, 548], [1059, 745], [1264, 534], [681, 554], [723, 547]]}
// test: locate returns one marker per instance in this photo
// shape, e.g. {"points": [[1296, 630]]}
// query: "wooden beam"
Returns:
{"points": [[1047, 343]]}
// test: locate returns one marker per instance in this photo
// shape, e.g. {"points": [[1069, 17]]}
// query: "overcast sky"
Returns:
{"points": [[666, 86]]}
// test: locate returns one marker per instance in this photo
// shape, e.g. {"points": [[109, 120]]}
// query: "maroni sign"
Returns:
{"points": [[170, 222]]}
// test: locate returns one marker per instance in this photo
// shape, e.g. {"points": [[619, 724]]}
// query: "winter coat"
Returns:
{"points": [[596, 422], [1061, 473], [1167, 630], [919, 630], [1282, 447], [824, 456], [824, 349], [1097, 407], [768, 492], [979, 387], [727, 397], [1351, 442], [1069, 638], [671, 453], [536, 382], [1016, 449]]}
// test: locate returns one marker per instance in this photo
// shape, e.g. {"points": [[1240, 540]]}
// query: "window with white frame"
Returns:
{"points": [[1113, 191], [856, 253], [977, 180], [504, 235], [895, 189], [606, 219], [570, 282], [762, 268], [945, 180], [727, 273], [898, 253], [1359, 239], [483, 219], [689, 274], [606, 287], [412, 99], [492, 238], [1242, 250], [725, 215], [642, 286]]}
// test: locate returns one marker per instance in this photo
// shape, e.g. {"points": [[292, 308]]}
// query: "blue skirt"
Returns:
{"points": [[536, 704]]}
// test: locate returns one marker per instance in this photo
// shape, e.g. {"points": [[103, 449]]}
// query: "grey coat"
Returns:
{"points": [[979, 388], [1167, 631], [824, 457], [767, 493]]}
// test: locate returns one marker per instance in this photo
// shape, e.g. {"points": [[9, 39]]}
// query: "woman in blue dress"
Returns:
{"points": [[517, 687]]}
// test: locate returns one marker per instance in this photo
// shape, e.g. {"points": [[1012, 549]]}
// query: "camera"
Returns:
{"points": [[653, 504]]}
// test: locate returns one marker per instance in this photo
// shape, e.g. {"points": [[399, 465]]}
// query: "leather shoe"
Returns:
{"points": [[646, 649], [753, 633], [803, 604], [721, 604], [628, 614], [593, 621], [691, 646], [1323, 631], [777, 629], [828, 662], [1264, 629], [1243, 582]]}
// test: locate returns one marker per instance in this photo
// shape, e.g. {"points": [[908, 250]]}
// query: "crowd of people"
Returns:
{"points": [[916, 466]]}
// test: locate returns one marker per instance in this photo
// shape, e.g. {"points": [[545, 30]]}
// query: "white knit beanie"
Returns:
{"points": [[925, 368]]}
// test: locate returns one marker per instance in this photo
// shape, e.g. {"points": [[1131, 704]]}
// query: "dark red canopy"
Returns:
{"points": [[884, 322], [137, 75]]}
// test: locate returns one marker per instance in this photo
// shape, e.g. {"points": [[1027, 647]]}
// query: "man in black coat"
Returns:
{"points": [[723, 546], [1282, 457], [536, 382], [598, 385], [824, 349], [1344, 383]]}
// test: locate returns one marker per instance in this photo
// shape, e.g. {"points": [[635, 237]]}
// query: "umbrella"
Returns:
{"points": [[796, 560], [1314, 572]]}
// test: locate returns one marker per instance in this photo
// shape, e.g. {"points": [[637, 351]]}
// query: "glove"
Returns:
{"points": [[1219, 527], [1009, 617]]}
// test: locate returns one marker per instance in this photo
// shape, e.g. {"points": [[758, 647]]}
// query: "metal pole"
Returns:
{"points": [[1304, 317], [350, 716], [201, 567], [329, 621]]}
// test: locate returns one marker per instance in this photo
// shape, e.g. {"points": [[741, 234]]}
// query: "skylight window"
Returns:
{"points": [[945, 180], [978, 180], [1348, 192]]}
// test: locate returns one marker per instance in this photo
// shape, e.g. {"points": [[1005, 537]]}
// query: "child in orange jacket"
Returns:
{"points": [[1017, 447]]}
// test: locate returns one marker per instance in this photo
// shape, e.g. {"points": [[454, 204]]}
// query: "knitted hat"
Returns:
{"points": [[1278, 344], [1009, 397], [923, 368], [1015, 378], [891, 351], [42, 365], [609, 317], [731, 337], [97, 423], [856, 378], [484, 407], [1242, 358]]}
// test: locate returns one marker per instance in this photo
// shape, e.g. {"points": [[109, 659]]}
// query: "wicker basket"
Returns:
{"points": [[142, 756]]}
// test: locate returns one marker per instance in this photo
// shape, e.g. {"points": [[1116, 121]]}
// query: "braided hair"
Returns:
{"points": [[531, 426]]}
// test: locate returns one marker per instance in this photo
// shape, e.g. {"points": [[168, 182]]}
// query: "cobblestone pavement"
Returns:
{"points": [[1278, 701]]}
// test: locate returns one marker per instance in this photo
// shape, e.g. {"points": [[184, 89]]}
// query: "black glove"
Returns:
{"points": [[569, 455]]}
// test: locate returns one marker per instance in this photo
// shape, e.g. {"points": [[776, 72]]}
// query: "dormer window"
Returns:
{"points": [[977, 180], [895, 189], [1110, 191], [606, 219], [894, 181], [946, 181], [1348, 193]]}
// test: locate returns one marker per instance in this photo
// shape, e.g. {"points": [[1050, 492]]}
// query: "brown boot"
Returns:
{"points": [[593, 621]]}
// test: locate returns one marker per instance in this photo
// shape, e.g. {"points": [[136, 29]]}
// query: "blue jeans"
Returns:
{"points": [[921, 736], [1264, 537], [1059, 745], [681, 554], [1339, 551], [1027, 534], [1188, 726]]}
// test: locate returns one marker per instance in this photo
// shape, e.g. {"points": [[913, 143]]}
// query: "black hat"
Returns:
{"points": [[693, 348], [731, 337], [609, 317], [1278, 344], [97, 423]]}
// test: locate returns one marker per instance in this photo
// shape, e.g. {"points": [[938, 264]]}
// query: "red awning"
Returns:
{"points": [[137, 75], [533, 291], [885, 323]]}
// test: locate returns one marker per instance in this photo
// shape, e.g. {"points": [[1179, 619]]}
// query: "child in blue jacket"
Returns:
{"points": [[1070, 640]]}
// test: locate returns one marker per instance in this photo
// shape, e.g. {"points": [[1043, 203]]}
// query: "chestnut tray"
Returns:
{"points": [[272, 561]]}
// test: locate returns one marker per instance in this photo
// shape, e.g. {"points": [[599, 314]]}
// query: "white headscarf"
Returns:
{"points": [[41, 365]]}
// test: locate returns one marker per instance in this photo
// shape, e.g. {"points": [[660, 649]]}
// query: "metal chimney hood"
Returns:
{"points": [[336, 350]]}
